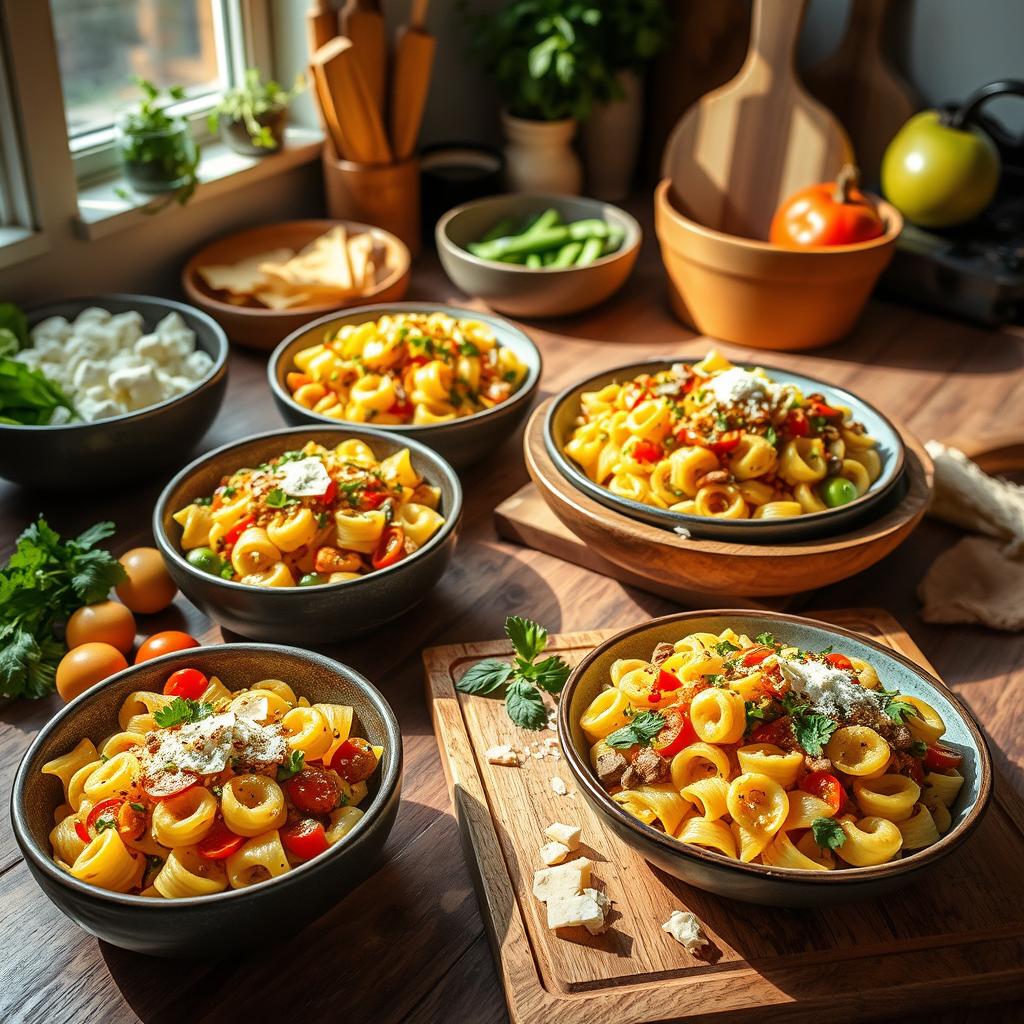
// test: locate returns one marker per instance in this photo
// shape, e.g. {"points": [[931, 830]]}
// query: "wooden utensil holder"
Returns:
{"points": [[384, 195]]}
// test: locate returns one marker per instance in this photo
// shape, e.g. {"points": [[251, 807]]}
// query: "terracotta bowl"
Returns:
{"points": [[758, 883], [262, 328], [762, 295], [280, 906]]}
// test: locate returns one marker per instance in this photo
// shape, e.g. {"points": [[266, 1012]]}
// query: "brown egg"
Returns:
{"points": [[86, 666], [108, 622], [149, 587]]}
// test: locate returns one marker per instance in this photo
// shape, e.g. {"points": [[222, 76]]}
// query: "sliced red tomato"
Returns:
{"points": [[354, 760], [390, 548], [774, 732], [304, 839], [666, 682], [821, 409], [755, 655], [189, 683], [105, 808], [402, 407], [688, 436], [796, 424], [676, 733], [647, 451], [726, 443], [220, 842], [330, 494], [373, 499], [83, 832], [839, 661], [236, 531], [825, 786], [165, 784], [313, 790], [940, 758]]}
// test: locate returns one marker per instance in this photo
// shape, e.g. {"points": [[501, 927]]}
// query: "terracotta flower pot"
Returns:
{"points": [[539, 156]]}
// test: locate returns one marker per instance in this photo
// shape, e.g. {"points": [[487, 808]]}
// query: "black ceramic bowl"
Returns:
{"points": [[278, 906], [463, 441], [564, 410], [125, 448], [323, 614], [758, 883]]}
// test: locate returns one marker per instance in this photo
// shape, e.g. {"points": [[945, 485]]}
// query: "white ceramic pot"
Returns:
{"points": [[539, 156], [611, 138]]}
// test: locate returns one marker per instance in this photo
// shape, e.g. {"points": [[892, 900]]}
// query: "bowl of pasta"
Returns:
{"points": [[210, 793], [310, 534], [457, 380], [771, 758], [751, 454]]}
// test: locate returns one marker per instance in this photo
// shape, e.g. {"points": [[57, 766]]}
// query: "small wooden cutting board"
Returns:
{"points": [[954, 938]]}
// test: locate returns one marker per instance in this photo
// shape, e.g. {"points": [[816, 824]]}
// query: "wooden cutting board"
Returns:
{"points": [[954, 938]]}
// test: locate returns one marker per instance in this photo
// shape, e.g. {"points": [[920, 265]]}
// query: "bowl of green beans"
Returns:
{"points": [[538, 255]]}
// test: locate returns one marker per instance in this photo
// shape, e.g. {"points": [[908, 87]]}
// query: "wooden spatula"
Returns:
{"points": [[321, 24], [351, 115], [362, 22], [414, 58], [743, 148]]}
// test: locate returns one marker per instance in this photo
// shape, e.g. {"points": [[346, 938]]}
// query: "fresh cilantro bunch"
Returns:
{"points": [[44, 581], [522, 680]]}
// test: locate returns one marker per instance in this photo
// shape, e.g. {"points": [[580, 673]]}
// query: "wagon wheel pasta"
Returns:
{"points": [[225, 791], [765, 753], [713, 439], [406, 368], [311, 516]]}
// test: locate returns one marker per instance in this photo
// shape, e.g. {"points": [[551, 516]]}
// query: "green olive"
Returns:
{"points": [[839, 491], [311, 579], [206, 560]]}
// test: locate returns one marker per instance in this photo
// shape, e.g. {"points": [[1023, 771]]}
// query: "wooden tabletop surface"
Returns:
{"points": [[409, 943]]}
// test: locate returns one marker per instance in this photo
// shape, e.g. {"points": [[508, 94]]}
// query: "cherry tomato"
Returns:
{"points": [[676, 733], [219, 843], [825, 786], [189, 683], [313, 790], [390, 548], [727, 442], [776, 733], [831, 213], [839, 661], [755, 655], [165, 784], [165, 643], [108, 622], [83, 832], [86, 666], [149, 587], [103, 808], [796, 424], [304, 839], [372, 500], [647, 451], [940, 758], [666, 682], [354, 760]]}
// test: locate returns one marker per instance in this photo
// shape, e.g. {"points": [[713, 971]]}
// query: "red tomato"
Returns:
{"points": [[354, 760], [796, 424], [666, 682], [373, 499], [647, 451], [774, 732], [304, 839], [825, 786], [236, 531], [676, 733], [313, 790], [390, 548], [103, 808], [330, 494], [165, 643], [219, 843], [166, 784], [830, 213], [755, 655], [727, 442], [690, 437], [403, 408], [83, 832], [189, 683], [839, 661], [821, 409], [940, 758]]}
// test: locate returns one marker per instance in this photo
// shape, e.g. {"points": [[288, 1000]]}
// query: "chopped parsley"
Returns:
{"points": [[770, 436], [918, 748], [724, 647], [828, 834], [278, 499], [295, 763], [141, 808], [181, 711], [898, 710], [768, 639], [640, 731], [229, 492], [467, 348], [715, 679], [813, 731], [202, 501], [103, 822], [756, 712]]}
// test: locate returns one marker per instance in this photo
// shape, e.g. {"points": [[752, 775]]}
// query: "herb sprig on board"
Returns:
{"points": [[524, 679]]}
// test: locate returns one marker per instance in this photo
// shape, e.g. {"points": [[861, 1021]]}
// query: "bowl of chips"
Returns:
{"points": [[263, 283]]}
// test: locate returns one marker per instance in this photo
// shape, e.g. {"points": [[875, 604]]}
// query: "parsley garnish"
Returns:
{"points": [[770, 436], [229, 492], [755, 713], [141, 808], [278, 499], [813, 731], [724, 647], [202, 501], [828, 834], [103, 822], [715, 679], [181, 711], [898, 710], [467, 348], [644, 727], [295, 763], [918, 748], [768, 639], [524, 680]]}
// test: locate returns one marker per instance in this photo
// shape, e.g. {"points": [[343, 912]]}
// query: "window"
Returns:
{"points": [[15, 205]]}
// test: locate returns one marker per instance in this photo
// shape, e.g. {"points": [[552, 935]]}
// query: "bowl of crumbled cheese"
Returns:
{"points": [[144, 378]]}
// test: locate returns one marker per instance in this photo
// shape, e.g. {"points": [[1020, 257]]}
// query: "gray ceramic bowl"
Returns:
{"points": [[461, 442], [279, 906], [126, 448], [324, 614], [561, 420], [757, 883], [527, 291]]}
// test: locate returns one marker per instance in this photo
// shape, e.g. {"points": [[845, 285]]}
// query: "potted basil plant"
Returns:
{"points": [[252, 117]]}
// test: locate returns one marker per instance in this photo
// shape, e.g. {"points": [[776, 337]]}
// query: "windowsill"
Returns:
{"points": [[19, 244], [102, 211]]}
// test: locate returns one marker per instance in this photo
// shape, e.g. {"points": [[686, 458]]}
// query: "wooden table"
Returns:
{"points": [[408, 944]]}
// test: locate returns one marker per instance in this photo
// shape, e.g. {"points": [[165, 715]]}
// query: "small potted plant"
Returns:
{"points": [[252, 118], [158, 152], [632, 32], [545, 58]]}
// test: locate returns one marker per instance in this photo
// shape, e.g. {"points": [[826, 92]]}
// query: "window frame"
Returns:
{"points": [[16, 208]]}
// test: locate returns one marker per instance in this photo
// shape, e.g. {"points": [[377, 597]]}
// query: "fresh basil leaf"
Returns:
{"points": [[528, 638], [525, 705], [551, 674], [484, 677], [640, 731]]}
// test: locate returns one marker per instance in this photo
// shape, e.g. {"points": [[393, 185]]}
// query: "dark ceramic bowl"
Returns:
{"points": [[126, 448], [280, 906], [463, 441], [561, 420], [308, 615], [757, 883]]}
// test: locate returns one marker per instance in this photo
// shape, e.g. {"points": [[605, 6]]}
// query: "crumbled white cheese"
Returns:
{"points": [[586, 909], [303, 478], [567, 835], [558, 787], [737, 386], [563, 880], [684, 927], [504, 755], [554, 853], [831, 690]]}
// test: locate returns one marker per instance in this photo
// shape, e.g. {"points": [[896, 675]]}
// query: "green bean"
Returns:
{"points": [[521, 245], [568, 254], [505, 226], [548, 219], [615, 238], [592, 248], [581, 230], [533, 260]]}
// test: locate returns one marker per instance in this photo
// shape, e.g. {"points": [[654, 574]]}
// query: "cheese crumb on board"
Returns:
{"points": [[503, 754], [558, 786], [562, 881], [684, 927], [554, 853], [585, 909], [567, 835]]}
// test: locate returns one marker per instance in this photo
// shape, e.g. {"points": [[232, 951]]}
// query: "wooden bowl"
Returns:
{"points": [[719, 567], [762, 295], [262, 328]]}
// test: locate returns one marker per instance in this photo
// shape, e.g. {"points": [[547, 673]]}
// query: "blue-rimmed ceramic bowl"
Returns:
{"points": [[561, 421]]}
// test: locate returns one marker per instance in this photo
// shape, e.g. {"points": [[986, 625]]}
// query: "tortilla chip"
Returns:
{"points": [[277, 300], [322, 265], [245, 276]]}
